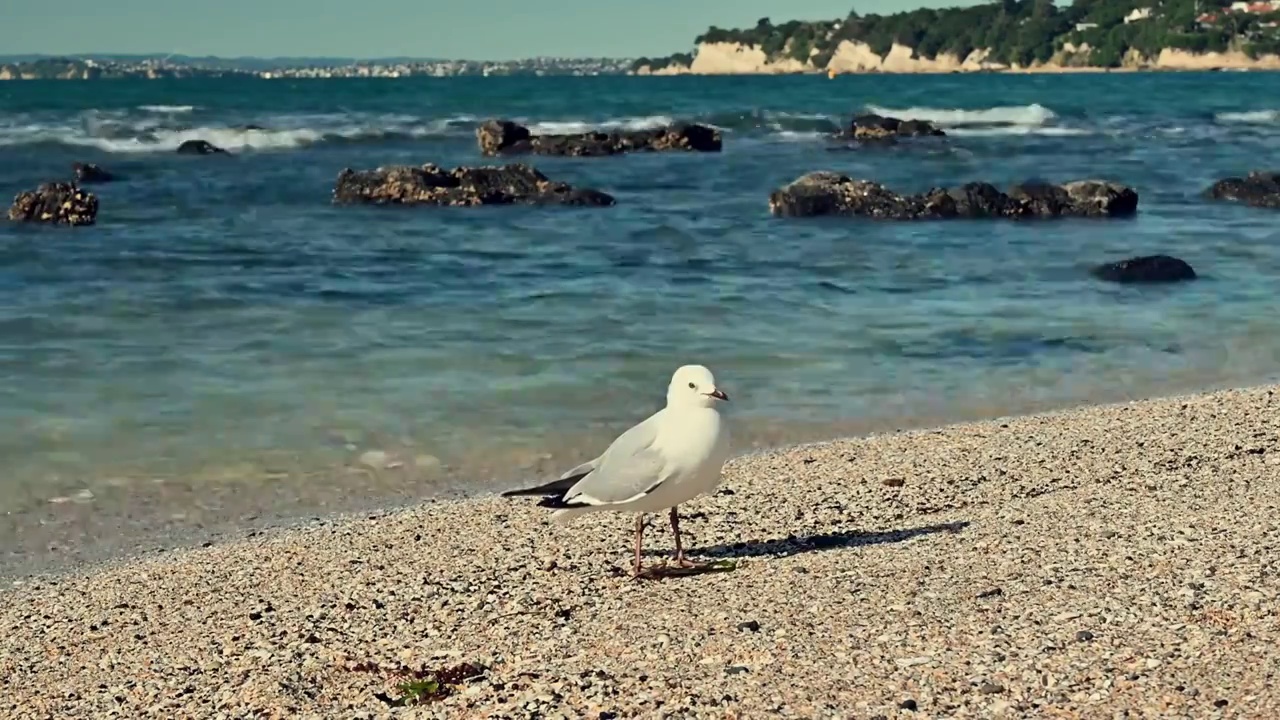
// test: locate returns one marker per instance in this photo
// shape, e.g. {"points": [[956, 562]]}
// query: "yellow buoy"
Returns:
{"points": [[831, 73]]}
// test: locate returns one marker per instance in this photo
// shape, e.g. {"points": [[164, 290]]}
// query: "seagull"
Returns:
{"points": [[671, 457]]}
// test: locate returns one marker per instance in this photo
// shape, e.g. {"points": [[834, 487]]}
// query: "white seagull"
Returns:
{"points": [[671, 457]]}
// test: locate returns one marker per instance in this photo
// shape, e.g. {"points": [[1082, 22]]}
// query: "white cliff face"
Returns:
{"points": [[668, 70], [852, 57], [1172, 59], [735, 59], [858, 57]]}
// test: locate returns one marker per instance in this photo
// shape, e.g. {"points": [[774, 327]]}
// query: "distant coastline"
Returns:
{"points": [[161, 67], [1020, 36]]}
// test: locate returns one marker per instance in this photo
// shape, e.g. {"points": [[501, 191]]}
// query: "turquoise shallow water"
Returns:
{"points": [[226, 347]]}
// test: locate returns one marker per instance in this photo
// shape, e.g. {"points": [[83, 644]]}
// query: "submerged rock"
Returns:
{"points": [[831, 193], [516, 183], [503, 137], [1146, 269], [200, 147], [870, 126], [1259, 188], [91, 173], [57, 203]]}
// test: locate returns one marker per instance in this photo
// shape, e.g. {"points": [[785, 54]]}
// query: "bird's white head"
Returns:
{"points": [[694, 386]]}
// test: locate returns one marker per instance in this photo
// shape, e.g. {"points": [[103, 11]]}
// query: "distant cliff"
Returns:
{"points": [[1005, 35]]}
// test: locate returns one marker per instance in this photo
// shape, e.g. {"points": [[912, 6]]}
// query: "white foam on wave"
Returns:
{"points": [[1050, 131], [169, 109], [1031, 115], [115, 132], [786, 123], [225, 138], [564, 127], [1249, 117], [801, 135]]}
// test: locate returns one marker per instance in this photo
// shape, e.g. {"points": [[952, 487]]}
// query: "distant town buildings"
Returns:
{"points": [[1137, 14], [90, 69], [1264, 7]]}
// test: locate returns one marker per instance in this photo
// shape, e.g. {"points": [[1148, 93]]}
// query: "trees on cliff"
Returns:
{"points": [[1018, 32]]}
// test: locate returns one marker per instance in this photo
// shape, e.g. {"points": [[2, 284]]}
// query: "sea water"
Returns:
{"points": [[226, 347]]}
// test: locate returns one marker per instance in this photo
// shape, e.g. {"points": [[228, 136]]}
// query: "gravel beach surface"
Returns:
{"points": [[1110, 561]]}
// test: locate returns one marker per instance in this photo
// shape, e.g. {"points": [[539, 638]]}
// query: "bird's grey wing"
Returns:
{"points": [[578, 472], [630, 468], [640, 435], [559, 485]]}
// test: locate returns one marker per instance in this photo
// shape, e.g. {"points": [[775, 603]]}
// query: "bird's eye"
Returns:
{"points": [[692, 386]]}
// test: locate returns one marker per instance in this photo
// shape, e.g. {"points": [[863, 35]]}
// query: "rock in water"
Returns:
{"points": [[512, 184], [1082, 198], [503, 137], [831, 193], [200, 147], [1146, 269], [58, 203], [1259, 189], [870, 126], [91, 173]]}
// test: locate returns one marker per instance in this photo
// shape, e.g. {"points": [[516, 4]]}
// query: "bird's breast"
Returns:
{"points": [[696, 438]]}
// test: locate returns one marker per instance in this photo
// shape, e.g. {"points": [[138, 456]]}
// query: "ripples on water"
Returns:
{"points": [[224, 343]]}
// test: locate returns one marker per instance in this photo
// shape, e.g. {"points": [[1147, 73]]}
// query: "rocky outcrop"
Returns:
{"points": [[90, 173], [879, 127], [503, 137], [200, 147], [1259, 189], [830, 193], [515, 184], [1146, 269], [56, 203]]}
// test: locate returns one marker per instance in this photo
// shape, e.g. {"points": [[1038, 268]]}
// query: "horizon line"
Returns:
{"points": [[162, 55]]}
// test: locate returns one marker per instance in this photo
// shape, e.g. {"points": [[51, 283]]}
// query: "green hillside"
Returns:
{"points": [[1017, 32]]}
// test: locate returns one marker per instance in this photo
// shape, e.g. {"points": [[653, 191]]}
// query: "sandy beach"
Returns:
{"points": [[1081, 564]]}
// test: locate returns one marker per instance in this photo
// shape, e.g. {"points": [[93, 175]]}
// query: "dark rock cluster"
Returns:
{"points": [[503, 137], [56, 203], [1146, 269], [870, 126], [1259, 188], [200, 147], [831, 193], [512, 184], [90, 173]]}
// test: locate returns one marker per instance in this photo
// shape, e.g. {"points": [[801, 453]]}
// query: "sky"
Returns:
{"points": [[460, 29]]}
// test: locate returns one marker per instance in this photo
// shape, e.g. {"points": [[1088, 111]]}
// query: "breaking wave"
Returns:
{"points": [[1249, 117], [1033, 119]]}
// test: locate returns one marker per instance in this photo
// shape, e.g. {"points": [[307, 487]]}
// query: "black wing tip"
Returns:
{"points": [[555, 487], [554, 500], [557, 502], [521, 493]]}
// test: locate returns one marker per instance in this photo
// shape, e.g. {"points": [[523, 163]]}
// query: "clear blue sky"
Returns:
{"points": [[473, 29]]}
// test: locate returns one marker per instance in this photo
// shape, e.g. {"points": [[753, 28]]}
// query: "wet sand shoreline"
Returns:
{"points": [[1080, 562], [145, 516]]}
